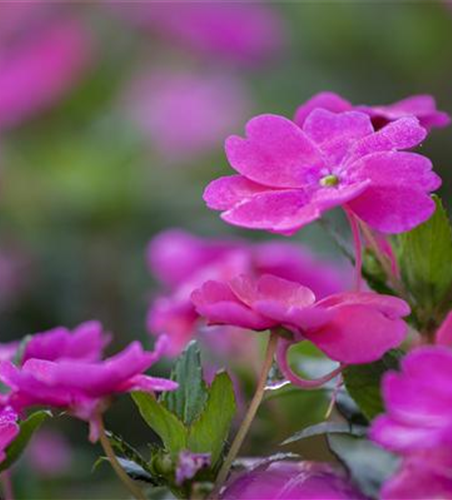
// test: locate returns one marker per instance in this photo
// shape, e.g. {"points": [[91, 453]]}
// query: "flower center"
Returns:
{"points": [[330, 180]]}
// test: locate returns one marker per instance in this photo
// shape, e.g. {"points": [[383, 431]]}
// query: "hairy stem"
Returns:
{"points": [[120, 472], [249, 417]]}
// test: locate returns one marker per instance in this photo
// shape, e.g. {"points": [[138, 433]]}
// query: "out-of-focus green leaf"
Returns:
{"points": [[368, 465], [170, 429], [27, 429], [425, 259], [327, 428], [210, 431], [363, 382], [188, 401]]}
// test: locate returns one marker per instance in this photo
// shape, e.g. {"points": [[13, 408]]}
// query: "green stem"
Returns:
{"points": [[120, 472], [249, 417]]}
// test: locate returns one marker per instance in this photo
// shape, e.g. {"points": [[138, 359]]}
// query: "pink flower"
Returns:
{"points": [[244, 33], [86, 342], [39, 68], [49, 453], [288, 176], [418, 424], [181, 125], [338, 325], [423, 107], [290, 481], [83, 384], [183, 262], [189, 464], [9, 429]]}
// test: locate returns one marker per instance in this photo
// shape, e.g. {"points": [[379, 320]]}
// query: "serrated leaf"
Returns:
{"points": [[170, 429], [188, 401], [125, 450], [209, 432], [363, 382], [27, 429], [327, 428], [425, 259]]}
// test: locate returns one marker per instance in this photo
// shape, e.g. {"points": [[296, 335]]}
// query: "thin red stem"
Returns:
{"points": [[354, 226]]}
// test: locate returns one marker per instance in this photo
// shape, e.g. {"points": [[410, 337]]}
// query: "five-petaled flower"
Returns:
{"points": [[290, 175]]}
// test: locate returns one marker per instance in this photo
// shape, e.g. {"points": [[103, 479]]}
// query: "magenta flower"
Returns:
{"points": [[290, 481], [243, 33], [215, 104], [288, 176], [49, 453], [86, 342], [423, 107], [183, 262], [418, 423], [82, 385], [9, 429], [338, 325], [189, 464], [39, 68]]}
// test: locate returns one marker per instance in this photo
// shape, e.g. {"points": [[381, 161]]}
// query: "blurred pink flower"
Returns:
{"points": [[338, 324], [290, 481], [240, 32], [418, 424], [49, 453], [15, 272], [83, 384], [183, 262], [9, 429], [288, 176], [423, 107], [38, 67], [185, 114], [189, 464]]}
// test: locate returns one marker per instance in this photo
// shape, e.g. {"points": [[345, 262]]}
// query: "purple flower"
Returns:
{"points": [[159, 101], [338, 325], [189, 464], [423, 107], [290, 481], [243, 33], [9, 429], [39, 67], [418, 424], [49, 453], [288, 176], [183, 262], [82, 385]]}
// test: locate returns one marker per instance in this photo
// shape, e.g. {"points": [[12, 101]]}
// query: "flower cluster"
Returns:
{"points": [[63, 369]]}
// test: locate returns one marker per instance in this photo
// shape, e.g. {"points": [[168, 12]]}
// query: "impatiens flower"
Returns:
{"points": [[189, 464], [86, 342], [49, 453], [9, 429], [339, 325], [183, 262], [214, 105], [443, 335], [238, 32], [289, 175], [39, 67], [418, 424], [82, 385], [290, 481], [423, 107]]}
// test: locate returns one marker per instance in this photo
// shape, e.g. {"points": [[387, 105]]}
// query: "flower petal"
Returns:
{"points": [[325, 100], [276, 153]]}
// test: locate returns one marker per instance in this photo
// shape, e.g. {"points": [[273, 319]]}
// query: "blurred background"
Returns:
{"points": [[112, 121]]}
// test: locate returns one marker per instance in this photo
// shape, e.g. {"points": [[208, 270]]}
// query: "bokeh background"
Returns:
{"points": [[112, 121]]}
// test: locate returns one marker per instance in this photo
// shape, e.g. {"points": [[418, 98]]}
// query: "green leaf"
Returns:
{"points": [[209, 432], [170, 429], [363, 382], [188, 401], [327, 428], [27, 428], [425, 259], [21, 350]]}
